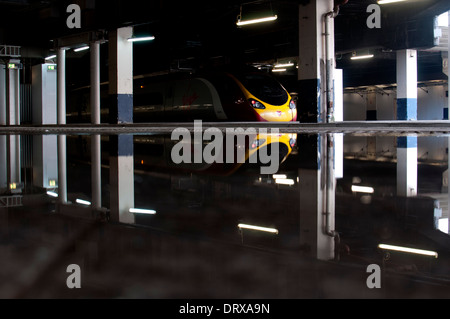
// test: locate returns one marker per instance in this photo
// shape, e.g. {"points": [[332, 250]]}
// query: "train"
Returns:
{"points": [[244, 94]]}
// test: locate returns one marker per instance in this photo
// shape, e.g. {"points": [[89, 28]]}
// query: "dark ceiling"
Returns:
{"points": [[199, 33]]}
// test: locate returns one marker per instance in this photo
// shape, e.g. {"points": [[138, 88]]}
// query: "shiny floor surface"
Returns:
{"points": [[198, 241]]}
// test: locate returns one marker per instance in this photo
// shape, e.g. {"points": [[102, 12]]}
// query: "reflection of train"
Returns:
{"points": [[153, 152], [243, 95]]}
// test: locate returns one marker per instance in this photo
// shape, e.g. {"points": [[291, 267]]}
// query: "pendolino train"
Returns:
{"points": [[235, 95]]}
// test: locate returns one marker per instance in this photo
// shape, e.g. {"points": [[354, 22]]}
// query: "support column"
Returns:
{"points": [[371, 115], [95, 119], [407, 111], [3, 149], [448, 155], [61, 105], [121, 111], [13, 118], [316, 185]]}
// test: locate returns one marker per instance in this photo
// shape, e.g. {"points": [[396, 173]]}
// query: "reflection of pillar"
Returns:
{"points": [[95, 119], [61, 104], [3, 161], [312, 175], [407, 111], [121, 111]]}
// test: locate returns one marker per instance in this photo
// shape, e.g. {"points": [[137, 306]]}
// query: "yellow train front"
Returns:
{"points": [[232, 96]]}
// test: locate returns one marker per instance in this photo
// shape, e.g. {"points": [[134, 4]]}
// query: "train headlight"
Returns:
{"points": [[292, 105], [256, 104], [257, 143]]}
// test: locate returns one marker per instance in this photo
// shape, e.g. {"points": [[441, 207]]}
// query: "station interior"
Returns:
{"points": [[327, 176]]}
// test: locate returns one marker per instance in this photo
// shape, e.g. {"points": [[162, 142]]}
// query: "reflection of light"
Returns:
{"points": [[409, 250], [264, 229], [52, 183], [388, 1], [278, 176], [13, 186], [267, 19], [285, 181], [83, 202], [52, 194], [362, 189], [142, 211], [279, 70]]}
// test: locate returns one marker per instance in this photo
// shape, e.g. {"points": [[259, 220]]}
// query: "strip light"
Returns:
{"points": [[81, 49], [362, 189], [83, 202], [142, 211], [283, 65], [409, 250], [279, 176], [253, 21], [50, 57], [361, 57], [258, 228], [279, 70], [141, 39], [388, 1]]}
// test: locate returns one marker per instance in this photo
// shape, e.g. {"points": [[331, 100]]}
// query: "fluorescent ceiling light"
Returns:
{"points": [[389, 1], [258, 228], [283, 65], [409, 250], [362, 189], [150, 38], [83, 202], [142, 211], [285, 181], [360, 57], [50, 57], [279, 176], [52, 194], [279, 70], [246, 22], [81, 49]]}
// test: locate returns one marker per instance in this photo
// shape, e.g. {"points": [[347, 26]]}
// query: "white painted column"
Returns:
{"points": [[316, 185], [407, 111], [121, 111], [61, 105], [95, 119], [3, 149]]}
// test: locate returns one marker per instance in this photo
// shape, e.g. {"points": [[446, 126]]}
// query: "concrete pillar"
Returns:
{"points": [[448, 99], [3, 149], [13, 118], [371, 115], [312, 57], [61, 105], [407, 111], [316, 181], [121, 111], [95, 119]]}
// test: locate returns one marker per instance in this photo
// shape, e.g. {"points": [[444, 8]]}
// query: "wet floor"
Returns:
{"points": [[225, 230]]}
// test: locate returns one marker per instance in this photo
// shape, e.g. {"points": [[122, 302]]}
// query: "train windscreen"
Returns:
{"points": [[265, 88]]}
